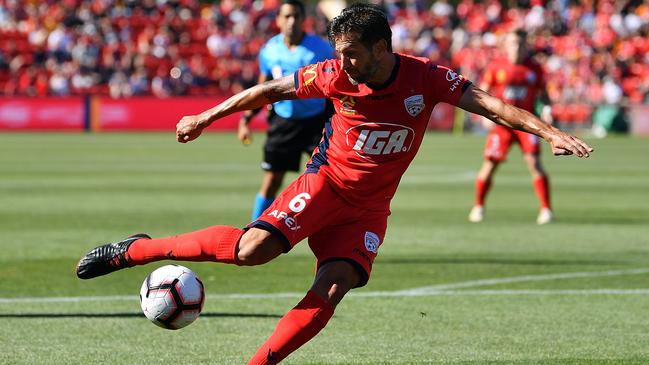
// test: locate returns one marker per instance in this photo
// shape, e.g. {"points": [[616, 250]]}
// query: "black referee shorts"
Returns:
{"points": [[287, 139]]}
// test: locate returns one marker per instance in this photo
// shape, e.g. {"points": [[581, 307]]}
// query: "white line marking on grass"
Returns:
{"points": [[434, 290], [521, 279]]}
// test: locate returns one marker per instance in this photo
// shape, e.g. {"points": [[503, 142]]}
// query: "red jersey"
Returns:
{"points": [[374, 134], [517, 84]]}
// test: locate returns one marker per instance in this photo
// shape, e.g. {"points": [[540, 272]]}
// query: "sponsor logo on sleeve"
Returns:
{"points": [[451, 76], [309, 75], [454, 78]]}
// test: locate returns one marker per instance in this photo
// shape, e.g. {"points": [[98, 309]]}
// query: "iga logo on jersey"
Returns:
{"points": [[380, 138]]}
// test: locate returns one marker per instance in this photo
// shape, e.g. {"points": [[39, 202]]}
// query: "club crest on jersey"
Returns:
{"points": [[372, 242], [414, 104]]}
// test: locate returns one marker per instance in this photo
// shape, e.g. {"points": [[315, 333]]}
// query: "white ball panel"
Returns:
{"points": [[160, 305]]}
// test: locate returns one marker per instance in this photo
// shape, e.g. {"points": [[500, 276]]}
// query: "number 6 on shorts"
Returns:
{"points": [[298, 203]]}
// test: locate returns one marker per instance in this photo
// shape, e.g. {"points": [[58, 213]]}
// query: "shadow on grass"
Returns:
{"points": [[127, 315], [496, 261]]}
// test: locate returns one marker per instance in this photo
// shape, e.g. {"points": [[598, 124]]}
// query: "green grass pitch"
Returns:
{"points": [[443, 291]]}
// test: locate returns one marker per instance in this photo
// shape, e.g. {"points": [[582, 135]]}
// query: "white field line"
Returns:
{"points": [[435, 290], [520, 279]]}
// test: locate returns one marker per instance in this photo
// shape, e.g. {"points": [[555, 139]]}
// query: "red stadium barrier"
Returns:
{"points": [[25, 113], [153, 114]]}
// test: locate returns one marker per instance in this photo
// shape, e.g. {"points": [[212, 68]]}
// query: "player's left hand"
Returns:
{"points": [[188, 129], [565, 144]]}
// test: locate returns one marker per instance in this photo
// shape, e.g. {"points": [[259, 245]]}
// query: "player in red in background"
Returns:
{"points": [[518, 80], [341, 203]]}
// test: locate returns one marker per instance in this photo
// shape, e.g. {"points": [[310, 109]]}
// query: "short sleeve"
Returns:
{"points": [[313, 81], [446, 85]]}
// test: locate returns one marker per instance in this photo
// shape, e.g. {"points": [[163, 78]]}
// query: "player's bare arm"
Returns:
{"points": [[480, 102], [191, 126]]}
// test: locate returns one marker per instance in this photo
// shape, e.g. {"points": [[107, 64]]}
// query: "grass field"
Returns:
{"points": [[443, 291]]}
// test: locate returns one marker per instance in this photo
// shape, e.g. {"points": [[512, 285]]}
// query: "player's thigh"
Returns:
{"points": [[355, 240], [498, 143], [304, 207]]}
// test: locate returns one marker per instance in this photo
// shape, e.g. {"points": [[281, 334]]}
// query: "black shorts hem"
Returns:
{"points": [[365, 277], [272, 229]]}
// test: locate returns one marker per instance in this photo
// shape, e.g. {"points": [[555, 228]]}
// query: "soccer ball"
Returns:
{"points": [[172, 297]]}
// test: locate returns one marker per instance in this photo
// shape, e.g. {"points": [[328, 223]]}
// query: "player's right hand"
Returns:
{"points": [[565, 144], [188, 129], [244, 134]]}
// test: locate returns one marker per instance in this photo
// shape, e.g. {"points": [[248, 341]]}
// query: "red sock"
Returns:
{"points": [[295, 329], [216, 243], [481, 190], [542, 188]]}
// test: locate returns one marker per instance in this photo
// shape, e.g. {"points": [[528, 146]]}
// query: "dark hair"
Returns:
{"points": [[297, 3], [367, 21]]}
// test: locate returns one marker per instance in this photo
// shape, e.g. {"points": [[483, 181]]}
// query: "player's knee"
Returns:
{"points": [[257, 247], [534, 165], [487, 170], [334, 280]]}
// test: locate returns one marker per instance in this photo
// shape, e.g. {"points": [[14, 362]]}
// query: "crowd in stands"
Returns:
{"points": [[593, 52]]}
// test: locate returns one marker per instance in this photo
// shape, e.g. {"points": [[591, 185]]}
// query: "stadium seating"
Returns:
{"points": [[594, 53]]}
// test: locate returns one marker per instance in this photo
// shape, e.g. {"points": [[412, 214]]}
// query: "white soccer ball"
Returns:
{"points": [[172, 297]]}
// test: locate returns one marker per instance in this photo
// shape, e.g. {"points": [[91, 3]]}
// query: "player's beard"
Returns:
{"points": [[365, 74]]}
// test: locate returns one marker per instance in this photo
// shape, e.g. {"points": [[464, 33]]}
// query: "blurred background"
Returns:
{"points": [[140, 65]]}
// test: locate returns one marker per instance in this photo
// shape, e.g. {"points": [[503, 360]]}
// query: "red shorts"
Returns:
{"points": [[500, 139], [337, 231]]}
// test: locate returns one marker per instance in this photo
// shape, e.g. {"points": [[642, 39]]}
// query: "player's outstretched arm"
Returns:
{"points": [[191, 126], [479, 102]]}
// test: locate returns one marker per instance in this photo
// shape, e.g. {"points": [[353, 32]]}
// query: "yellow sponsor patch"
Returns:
{"points": [[309, 75]]}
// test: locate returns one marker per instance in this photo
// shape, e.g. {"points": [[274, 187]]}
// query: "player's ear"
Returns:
{"points": [[380, 48]]}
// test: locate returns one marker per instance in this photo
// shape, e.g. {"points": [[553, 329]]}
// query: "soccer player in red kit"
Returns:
{"points": [[341, 203], [518, 80]]}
